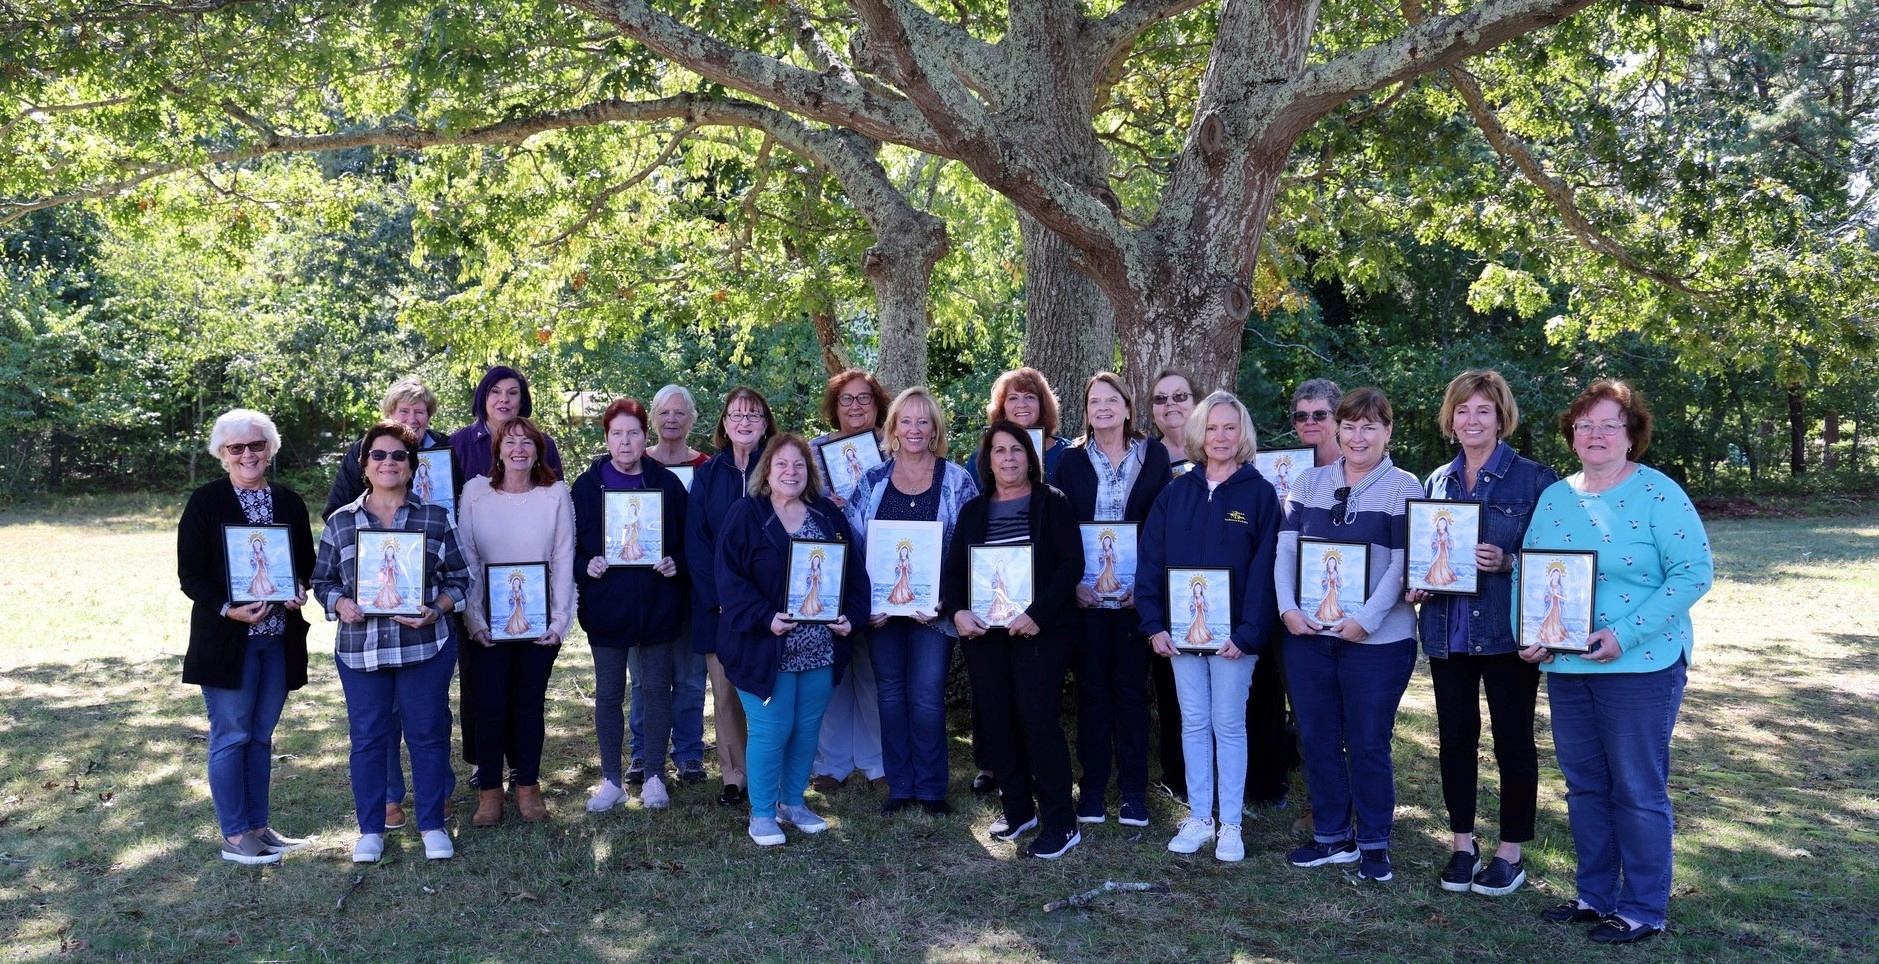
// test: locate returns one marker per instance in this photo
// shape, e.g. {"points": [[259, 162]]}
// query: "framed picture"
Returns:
{"points": [[845, 458], [1333, 578], [1556, 597], [685, 473], [633, 524], [434, 479], [904, 567], [1281, 467], [1037, 443], [1180, 468], [1109, 560], [813, 590], [390, 574], [999, 585], [260, 564], [1442, 537], [515, 595], [1200, 609]]}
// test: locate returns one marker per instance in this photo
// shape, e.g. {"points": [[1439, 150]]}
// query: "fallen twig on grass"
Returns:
{"points": [[1109, 886], [340, 904]]}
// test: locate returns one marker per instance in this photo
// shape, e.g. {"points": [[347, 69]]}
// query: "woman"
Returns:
{"points": [[852, 401], [400, 664], [1614, 707], [501, 397], [1347, 675], [1023, 397], [630, 608], [245, 656], [745, 427], [1112, 475], [1223, 515], [912, 654], [673, 414], [519, 512], [1017, 671], [1469, 639], [783, 670], [1172, 399]]}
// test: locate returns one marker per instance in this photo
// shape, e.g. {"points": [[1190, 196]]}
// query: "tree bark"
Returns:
{"points": [[1070, 331], [1797, 432], [908, 243], [1830, 437]]}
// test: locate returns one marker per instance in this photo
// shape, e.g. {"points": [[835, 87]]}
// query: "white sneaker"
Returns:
{"points": [[437, 845], [370, 847], [765, 832], [653, 795], [801, 817], [1228, 846], [606, 798], [1192, 834]]}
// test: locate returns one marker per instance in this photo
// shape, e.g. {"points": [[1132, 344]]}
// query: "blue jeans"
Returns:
{"points": [[688, 702], [910, 666], [1112, 703], [782, 741], [1345, 696], [394, 764], [1611, 734], [241, 736], [421, 696], [1212, 690]]}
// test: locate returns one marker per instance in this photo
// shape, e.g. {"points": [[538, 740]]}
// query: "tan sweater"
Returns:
{"points": [[503, 527]]}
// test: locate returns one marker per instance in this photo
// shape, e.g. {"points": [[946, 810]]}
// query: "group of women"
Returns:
{"points": [[858, 690]]}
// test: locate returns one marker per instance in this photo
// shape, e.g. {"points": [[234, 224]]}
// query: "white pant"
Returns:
{"points": [[851, 727]]}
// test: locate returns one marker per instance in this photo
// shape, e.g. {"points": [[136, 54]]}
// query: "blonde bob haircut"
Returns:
{"points": [[241, 421], [760, 479], [917, 395], [1194, 434], [1488, 384], [407, 390]]}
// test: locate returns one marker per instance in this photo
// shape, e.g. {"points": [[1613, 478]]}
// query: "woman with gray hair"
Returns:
{"points": [[673, 415], [245, 656]]}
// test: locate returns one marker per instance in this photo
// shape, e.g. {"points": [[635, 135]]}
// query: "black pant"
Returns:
{"points": [[511, 688], [1017, 686], [1112, 703], [1168, 725], [1512, 685], [1271, 751]]}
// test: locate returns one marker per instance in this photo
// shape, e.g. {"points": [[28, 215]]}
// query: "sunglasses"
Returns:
{"points": [[236, 448], [1179, 398], [1318, 415], [1340, 509], [396, 455]]}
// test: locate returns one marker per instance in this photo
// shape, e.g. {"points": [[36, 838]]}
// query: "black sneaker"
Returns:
{"points": [[692, 771], [1460, 873], [1004, 829], [1375, 864], [1316, 854], [1614, 930], [636, 772], [1052, 844], [1499, 879], [1569, 913], [732, 796], [937, 808], [895, 805], [984, 783], [1134, 811], [1090, 808]]}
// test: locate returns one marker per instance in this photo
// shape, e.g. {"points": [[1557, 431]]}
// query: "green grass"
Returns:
{"points": [[107, 835]]}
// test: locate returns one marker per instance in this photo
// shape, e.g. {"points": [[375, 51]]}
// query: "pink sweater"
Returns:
{"points": [[533, 526]]}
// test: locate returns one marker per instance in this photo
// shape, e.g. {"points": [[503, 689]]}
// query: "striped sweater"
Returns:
{"points": [[1373, 515]]}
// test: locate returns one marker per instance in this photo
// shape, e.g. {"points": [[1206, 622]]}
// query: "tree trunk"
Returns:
{"points": [[1830, 437], [1797, 432], [1069, 328], [900, 267]]}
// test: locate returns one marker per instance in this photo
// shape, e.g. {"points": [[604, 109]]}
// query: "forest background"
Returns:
{"points": [[289, 205]]}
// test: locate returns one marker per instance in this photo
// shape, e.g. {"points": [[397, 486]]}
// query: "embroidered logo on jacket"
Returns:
{"points": [[1236, 516]]}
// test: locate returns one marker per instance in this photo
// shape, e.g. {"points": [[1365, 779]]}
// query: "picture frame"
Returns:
{"points": [[1557, 593], [1441, 538], [1282, 466], [1109, 559], [904, 566], [1333, 579], [434, 478], [845, 458], [685, 474], [389, 571], [633, 527], [515, 596], [259, 563], [1200, 609], [813, 588], [1000, 581], [1037, 443]]}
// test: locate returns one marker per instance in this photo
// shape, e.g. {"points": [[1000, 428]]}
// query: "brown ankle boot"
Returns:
{"points": [[488, 808], [528, 802]]}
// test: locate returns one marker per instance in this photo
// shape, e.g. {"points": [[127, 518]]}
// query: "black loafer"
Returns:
{"points": [[984, 783], [937, 808], [895, 805], [732, 795], [1570, 913], [1614, 930]]}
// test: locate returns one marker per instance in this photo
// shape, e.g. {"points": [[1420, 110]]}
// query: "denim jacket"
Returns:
{"points": [[1508, 487]]}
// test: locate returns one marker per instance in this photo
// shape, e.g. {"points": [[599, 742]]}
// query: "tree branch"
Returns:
{"points": [[599, 203], [1115, 35]]}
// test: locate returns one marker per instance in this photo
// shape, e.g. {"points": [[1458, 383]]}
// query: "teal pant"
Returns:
{"points": [[783, 733]]}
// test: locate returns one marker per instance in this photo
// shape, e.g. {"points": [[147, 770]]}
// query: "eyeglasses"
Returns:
{"points": [[1179, 398], [865, 399], [1340, 510], [744, 417], [1583, 427], [1316, 415], [396, 455], [236, 448]]}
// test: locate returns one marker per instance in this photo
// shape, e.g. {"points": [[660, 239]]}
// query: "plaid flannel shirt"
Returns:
{"points": [[378, 641]]}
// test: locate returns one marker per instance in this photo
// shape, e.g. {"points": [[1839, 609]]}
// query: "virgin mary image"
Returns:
{"points": [[261, 586], [518, 624], [1329, 611], [388, 597], [1106, 582], [1553, 627], [1197, 632], [902, 593], [812, 585], [630, 550], [1002, 609], [1439, 572]]}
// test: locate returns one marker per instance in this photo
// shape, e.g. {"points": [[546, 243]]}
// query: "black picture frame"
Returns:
{"points": [[409, 590], [1421, 561], [1568, 629], [823, 562], [259, 563], [500, 595]]}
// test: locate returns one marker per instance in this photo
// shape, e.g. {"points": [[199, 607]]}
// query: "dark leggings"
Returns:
{"points": [[1511, 686], [511, 688]]}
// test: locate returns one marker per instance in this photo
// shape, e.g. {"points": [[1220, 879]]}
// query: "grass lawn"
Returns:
{"points": [[108, 848]]}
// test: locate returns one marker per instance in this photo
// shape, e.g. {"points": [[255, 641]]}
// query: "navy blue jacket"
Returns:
{"points": [[629, 605], [1056, 560], [349, 484], [716, 486], [1508, 487], [1076, 476], [1235, 526], [752, 567]]}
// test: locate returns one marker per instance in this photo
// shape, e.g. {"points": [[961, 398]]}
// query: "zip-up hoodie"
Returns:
{"points": [[751, 569], [1234, 526]]}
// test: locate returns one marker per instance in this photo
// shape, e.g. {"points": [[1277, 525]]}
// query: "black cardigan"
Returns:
{"points": [[1056, 558], [1076, 476], [218, 644]]}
